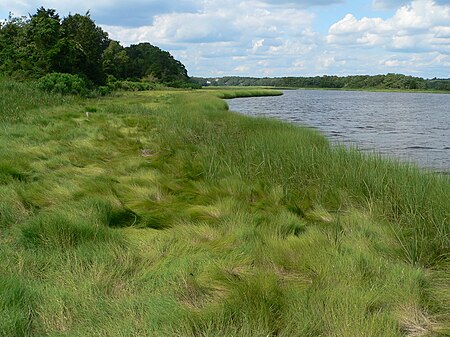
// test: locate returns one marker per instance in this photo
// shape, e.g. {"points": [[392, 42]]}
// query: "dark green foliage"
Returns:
{"points": [[65, 57], [103, 90], [438, 84], [59, 83], [147, 61], [184, 84], [44, 43], [12, 42], [115, 60], [388, 81], [42, 33], [90, 41], [131, 86]]}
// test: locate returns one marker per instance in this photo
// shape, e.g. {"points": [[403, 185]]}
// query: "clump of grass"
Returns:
{"points": [[235, 92], [58, 231], [16, 300]]}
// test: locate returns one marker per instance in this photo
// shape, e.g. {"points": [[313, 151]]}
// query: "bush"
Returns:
{"points": [[132, 86], [64, 84], [104, 90], [183, 85]]}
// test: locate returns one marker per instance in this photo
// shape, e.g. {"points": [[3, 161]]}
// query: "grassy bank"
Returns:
{"points": [[164, 214], [235, 92]]}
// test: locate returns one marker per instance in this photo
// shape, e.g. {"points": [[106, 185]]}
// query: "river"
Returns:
{"points": [[413, 127]]}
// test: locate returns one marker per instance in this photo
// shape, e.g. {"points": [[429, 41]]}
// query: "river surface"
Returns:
{"points": [[413, 127]]}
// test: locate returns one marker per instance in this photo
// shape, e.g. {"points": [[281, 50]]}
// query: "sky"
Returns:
{"points": [[272, 38]]}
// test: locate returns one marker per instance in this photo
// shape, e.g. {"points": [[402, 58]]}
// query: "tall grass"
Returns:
{"points": [[164, 214], [235, 92], [17, 99]]}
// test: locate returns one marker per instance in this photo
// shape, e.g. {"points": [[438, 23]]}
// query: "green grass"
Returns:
{"points": [[235, 92], [163, 214]]}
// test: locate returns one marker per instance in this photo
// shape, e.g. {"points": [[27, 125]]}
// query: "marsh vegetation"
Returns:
{"points": [[164, 214]]}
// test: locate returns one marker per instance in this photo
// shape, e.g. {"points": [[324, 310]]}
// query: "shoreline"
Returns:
{"points": [[444, 92], [407, 157]]}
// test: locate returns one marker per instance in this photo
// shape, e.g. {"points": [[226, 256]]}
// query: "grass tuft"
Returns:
{"points": [[60, 231]]}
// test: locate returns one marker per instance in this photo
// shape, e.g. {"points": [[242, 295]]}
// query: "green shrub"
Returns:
{"points": [[183, 85], [64, 84], [104, 90], [132, 86]]}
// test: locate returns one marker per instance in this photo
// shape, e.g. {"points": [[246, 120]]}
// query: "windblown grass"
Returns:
{"points": [[164, 214]]}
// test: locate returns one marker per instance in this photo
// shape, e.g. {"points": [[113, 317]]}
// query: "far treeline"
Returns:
{"points": [[45, 43], [388, 81]]}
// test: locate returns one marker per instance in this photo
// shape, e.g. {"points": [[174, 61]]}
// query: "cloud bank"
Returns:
{"points": [[422, 26]]}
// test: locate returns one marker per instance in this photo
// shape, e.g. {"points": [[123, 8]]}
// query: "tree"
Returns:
{"points": [[42, 33], [147, 60], [89, 41], [44, 43], [115, 60], [12, 43], [66, 57]]}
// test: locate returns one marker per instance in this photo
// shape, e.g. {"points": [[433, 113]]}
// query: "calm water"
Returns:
{"points": [[413, 127]]}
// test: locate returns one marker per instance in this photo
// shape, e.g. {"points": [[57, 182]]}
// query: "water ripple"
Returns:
{"points": [[410, 126]]}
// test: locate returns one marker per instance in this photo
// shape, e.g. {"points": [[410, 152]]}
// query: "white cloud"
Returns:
{"points": [[260, 39], [269, 33], [257, 44], [241, 69], [247, 22], [421, 26], [326, 61], [441, 32], [135, 13], [392, 63], [131, 13], [417, 61], [388, 4]]}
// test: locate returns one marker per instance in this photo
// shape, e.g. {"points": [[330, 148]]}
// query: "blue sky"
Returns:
{"points": [[278, 37]]}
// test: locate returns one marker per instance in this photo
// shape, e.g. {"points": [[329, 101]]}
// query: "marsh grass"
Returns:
{"points": [[18, 99], [164, 214]]}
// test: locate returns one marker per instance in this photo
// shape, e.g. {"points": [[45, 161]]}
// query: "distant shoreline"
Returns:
{"points": [[416, 91], [386, 82]]}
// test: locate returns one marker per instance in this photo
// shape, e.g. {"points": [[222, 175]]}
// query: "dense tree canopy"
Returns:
{"points": [[115, 60], [44, 43], [148, 60]]}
